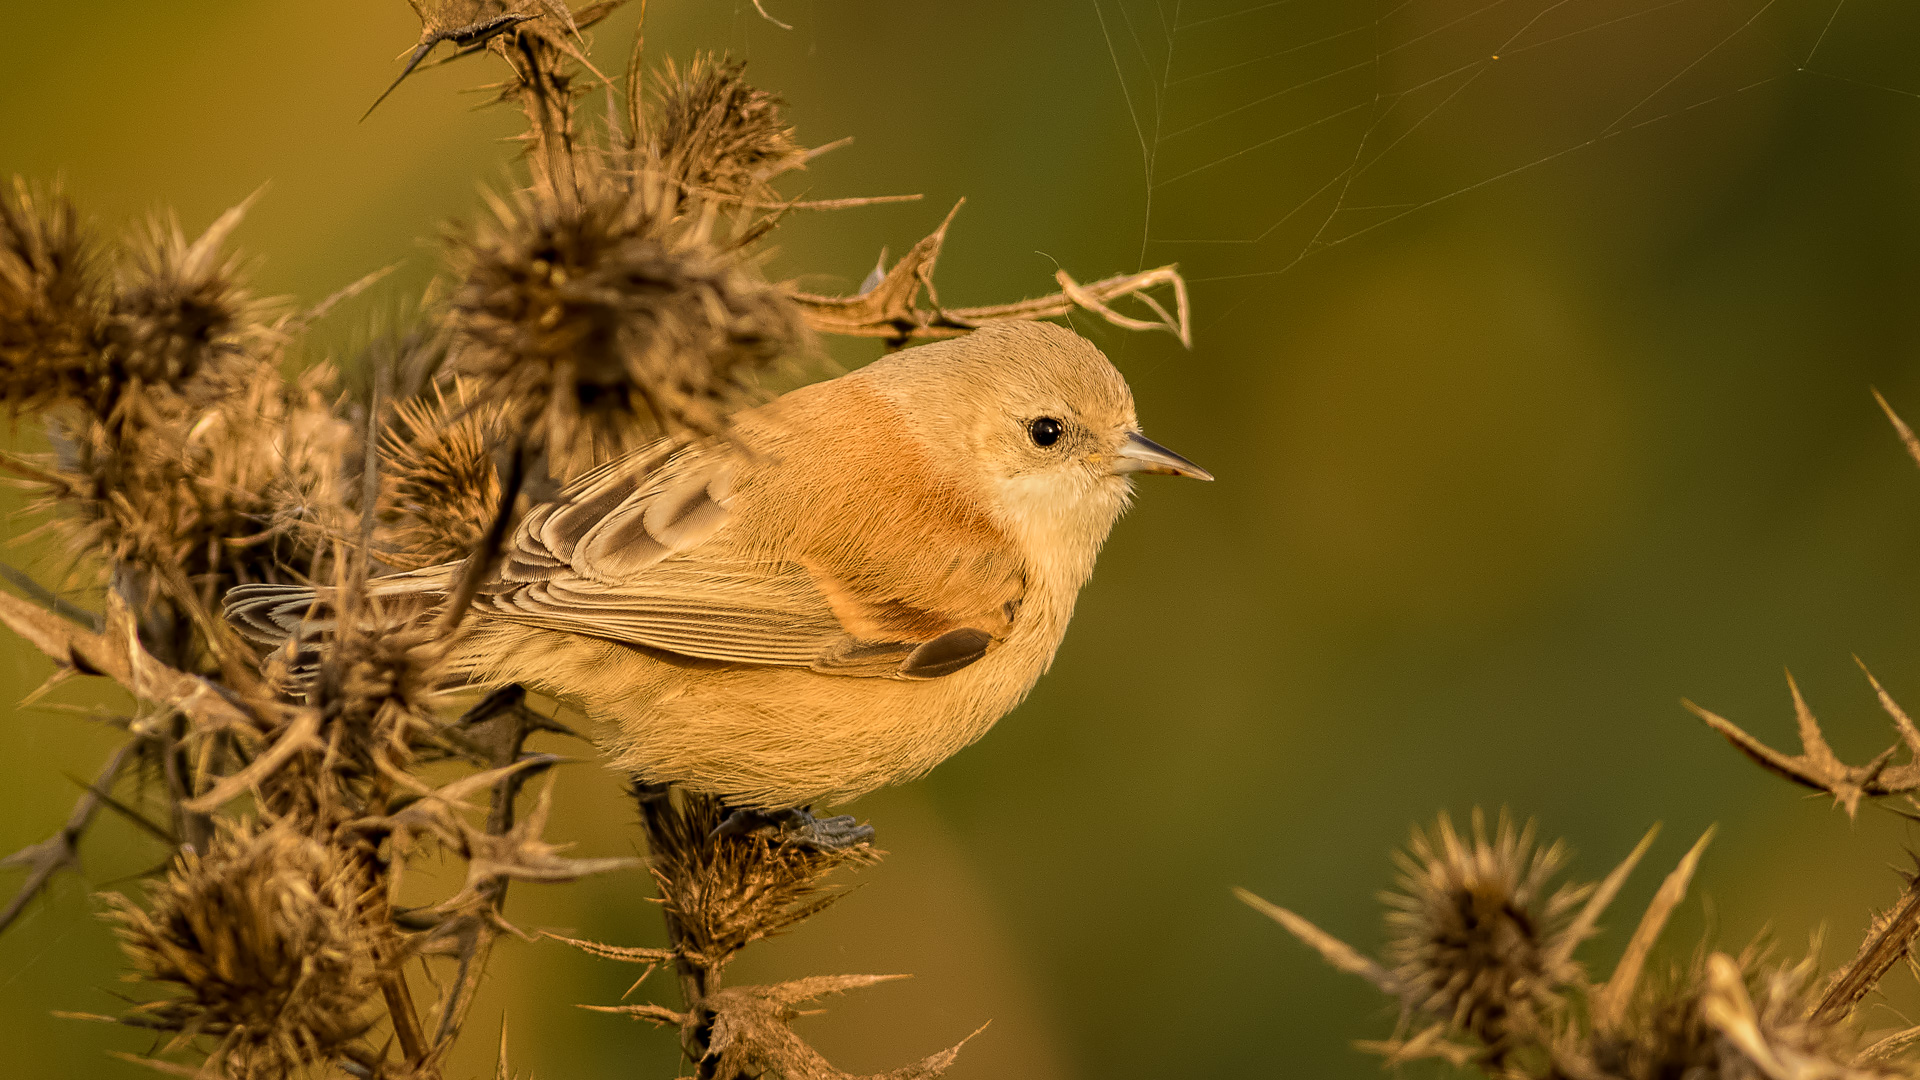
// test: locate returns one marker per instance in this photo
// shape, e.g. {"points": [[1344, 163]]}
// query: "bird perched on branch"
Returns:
{"points": [[853, 583]]}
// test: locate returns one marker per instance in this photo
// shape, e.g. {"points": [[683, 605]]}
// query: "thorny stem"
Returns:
{"points": [[166, 635], [472, 36], [1877, 955], [508, 705], [48, 599], [50, 856], [194, 829], [549, 107], [394, 991], [406, 1022], [698, 980], [118, 655]]}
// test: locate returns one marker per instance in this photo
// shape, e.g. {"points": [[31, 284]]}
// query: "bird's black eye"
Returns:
{"points": [[1045, 431]]}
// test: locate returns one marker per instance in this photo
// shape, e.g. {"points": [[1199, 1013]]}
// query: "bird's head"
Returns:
{"points": [[1048, 425]]}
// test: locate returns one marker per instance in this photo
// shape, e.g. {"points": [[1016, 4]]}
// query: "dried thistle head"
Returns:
{"points": [[1785, 1015], [605, 320], [301, 448], [170, 456], [376, 686], [725, 891], [197, 499], [441, 485], [50, 302], [180, 306], [1713, 1016], [1472, 924], [123, 497], [1666, 1033], [267, 941], [708, 130]]}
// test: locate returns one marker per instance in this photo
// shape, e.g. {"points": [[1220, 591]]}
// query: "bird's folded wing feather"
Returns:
{"points": [[642, 553]]}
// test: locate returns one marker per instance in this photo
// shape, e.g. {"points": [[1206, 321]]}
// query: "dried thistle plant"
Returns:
{"points": [[615, 298], [1481, 960], [268, 940], [49, 300], [441, 485], [709, 132], [1475, 932], [1480, 956], [610, 318], [721, 891]]}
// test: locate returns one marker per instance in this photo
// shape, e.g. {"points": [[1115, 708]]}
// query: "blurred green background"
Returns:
{"points": [[1534, 345]]}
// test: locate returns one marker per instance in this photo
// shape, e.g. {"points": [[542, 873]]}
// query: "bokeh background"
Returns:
{"points": [[1534, 346]]}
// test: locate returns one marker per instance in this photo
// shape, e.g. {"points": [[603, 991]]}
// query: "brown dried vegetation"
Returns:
{"points": [[611, 308], [616, 298], [1480, 953], [720, 893], [267, 938]]}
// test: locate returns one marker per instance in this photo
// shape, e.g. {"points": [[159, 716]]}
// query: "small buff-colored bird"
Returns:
{"points": [[854, 583]]}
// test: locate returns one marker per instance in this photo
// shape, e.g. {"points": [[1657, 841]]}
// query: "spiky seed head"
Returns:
{"points": [[437, 466], [711, 131], [170, 458], [50, 299], [292, 444], [377, 685], [238, 490], [73, 326], [179, 307], [606, 320], [265, 939], [1669, 1035], [726, 891], [1666, 1034], [1471, 921]]}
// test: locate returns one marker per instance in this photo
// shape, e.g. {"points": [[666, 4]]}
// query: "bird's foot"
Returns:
{"points": [[799, 828]]}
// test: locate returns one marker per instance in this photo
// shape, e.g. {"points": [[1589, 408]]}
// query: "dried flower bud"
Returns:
{"points": [[178, 306], [1712, 1017], [267, 938], [605, 320], [1472, 924], [50, 304], [377, 684], [726, 892], [442, 486], [1665, 1035], [236, 491], [710, 131]]}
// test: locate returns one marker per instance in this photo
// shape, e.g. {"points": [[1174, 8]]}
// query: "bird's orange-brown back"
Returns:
{"points": [[898, 539]]}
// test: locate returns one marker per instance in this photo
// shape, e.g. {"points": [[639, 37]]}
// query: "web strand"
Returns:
{"points": [[1278, 129]]}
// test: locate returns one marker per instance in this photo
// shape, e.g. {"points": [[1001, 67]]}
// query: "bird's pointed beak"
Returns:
{"points": [[1141, 454]]}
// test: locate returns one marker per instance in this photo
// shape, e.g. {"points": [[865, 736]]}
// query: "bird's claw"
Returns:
{"points": [[799, 828], [836, 833]]}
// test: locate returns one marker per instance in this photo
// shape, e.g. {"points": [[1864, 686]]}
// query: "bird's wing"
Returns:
{"points": [[648, 552]]}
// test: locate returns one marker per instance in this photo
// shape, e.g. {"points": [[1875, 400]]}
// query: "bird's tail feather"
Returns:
{"points": [[271, 615]]}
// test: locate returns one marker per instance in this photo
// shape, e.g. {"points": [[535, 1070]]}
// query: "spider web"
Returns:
{"points": [[1272, 131]]}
